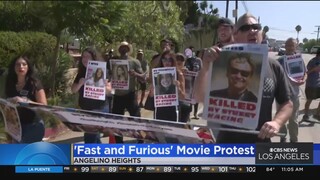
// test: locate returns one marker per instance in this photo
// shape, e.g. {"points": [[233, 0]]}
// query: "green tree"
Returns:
{"points": [[146, 22], [203, 7], [187, 8], [66, 39], [193, 14], [79, 17], [15, 17], [308, 45], [208, 19], [305, 40]]}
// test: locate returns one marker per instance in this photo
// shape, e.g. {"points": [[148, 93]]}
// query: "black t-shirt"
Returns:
{"points": [[86, 103], [27, 115]]}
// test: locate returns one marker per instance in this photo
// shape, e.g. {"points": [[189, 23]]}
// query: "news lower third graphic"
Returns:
{"points": [[316, 154], [160, 154], [44, 157], [39, 153], [287, 153]]}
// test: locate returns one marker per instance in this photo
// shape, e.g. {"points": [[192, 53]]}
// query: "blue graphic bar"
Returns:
{"points": [[39, 153], [39, 169], [316, 154], [164, 150]]}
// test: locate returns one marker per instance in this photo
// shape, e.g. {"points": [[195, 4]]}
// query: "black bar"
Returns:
{"points": [[288, 169], [243, 170]]}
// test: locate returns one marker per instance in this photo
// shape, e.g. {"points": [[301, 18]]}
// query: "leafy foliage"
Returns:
{"points": [[190, 12], [64, 63], [14, 16], [38, 45], [79, 17], [308, 45], [147, 22], [208, 22]]}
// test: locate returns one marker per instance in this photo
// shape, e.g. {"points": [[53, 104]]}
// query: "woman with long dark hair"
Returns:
{"points": [[86, 103], [170, 113], [23, 86]]}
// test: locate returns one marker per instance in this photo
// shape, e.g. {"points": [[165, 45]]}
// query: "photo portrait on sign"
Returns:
{"points": [[120, 72], [236, 76], [94, 87], [97, 78], [295, 67], [236, 84], [165, 84]]}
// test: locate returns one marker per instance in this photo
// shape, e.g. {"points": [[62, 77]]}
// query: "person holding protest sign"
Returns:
{"points": [[225, 37], [165, 45], [145, 68], [240, 69], [86, 103], [128, 96], [194, 64], [185, 107], [23, 86], [168, 59], [293, 125], [248, 30]]}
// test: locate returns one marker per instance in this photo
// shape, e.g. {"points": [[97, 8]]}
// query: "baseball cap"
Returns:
{"points": [[225, 21]]}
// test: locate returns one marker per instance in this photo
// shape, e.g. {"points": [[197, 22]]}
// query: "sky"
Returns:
{"points": [[280, 16]]}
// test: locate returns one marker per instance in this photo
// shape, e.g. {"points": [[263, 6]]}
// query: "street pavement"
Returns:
{"points": [[308, 131]]}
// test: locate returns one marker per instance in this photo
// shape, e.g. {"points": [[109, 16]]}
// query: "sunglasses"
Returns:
{"points": [[166, 60], [247, 27], [242, 72]]}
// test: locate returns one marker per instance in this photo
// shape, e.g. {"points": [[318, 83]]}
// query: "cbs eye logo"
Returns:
{"points": [[41, 153]]}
